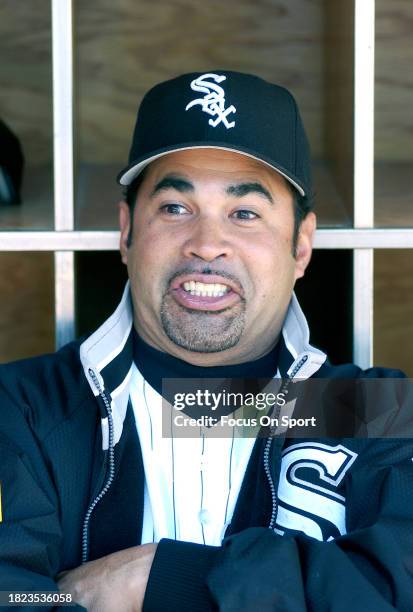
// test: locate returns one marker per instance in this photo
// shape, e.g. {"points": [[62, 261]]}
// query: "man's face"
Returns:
{"points": [[211, 260]]}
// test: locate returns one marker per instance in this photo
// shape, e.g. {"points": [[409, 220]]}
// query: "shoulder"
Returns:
{"points": [[351, 370], [370, 403], [43, 390]]}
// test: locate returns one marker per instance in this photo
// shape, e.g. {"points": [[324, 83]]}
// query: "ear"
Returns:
{"points": [[304, 247], [124, 225]]}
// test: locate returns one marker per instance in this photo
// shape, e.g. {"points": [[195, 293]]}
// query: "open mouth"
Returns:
{"points": [[193, 292]]}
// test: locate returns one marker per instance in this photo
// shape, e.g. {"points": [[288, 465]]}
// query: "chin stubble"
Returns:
{"points": [[202, 331]]}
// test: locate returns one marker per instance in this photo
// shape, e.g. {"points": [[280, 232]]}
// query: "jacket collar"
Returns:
{"points": [[107, 355]]}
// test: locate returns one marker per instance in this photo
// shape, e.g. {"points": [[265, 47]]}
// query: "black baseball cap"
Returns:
{"points": [[224, 110]]}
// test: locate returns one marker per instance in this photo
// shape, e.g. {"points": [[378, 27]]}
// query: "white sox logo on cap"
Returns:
{"points": [[213, 103]]}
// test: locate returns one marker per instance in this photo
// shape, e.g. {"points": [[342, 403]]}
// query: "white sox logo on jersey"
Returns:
{"points": [[213, 103], [310, 472]]}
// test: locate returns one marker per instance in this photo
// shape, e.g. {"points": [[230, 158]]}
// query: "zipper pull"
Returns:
{"points": [[103, 396]]}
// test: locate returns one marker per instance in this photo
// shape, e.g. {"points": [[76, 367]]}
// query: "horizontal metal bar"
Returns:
{"points": [[391, 238], [59, 241]]}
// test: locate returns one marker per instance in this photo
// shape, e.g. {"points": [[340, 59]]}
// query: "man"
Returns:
{"points": [[216, 228]]}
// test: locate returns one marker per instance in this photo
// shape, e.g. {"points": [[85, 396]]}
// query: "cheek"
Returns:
{"points": [[270, 264], [147, 241], [150, 256]]}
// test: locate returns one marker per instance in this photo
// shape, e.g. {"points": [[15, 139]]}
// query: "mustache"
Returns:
{"points": [[204, 270]]}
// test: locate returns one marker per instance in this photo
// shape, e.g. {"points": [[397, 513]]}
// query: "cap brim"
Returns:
{"points": [[133, 170]]}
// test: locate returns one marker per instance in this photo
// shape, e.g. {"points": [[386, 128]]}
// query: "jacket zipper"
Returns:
{"points": [[111, 470], [268, 445]]}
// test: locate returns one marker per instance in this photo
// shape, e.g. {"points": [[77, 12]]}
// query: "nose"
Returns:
{"points": [[208, 240]]}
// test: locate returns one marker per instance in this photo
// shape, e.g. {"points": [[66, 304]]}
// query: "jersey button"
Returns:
{"points": [[203, 516]]}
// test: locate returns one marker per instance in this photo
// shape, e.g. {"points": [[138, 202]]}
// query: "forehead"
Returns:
{"points": [[215, 164]]}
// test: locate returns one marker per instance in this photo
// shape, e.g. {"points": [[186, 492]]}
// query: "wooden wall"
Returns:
{"points": [[339, 95], [26, 76], [26, 309], [394, 80], [393, 320]]}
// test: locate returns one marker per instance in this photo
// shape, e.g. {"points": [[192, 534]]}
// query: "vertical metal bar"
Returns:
{"points": [[364, 113], [363, 307], [364, 39], [64, 297], [62, 37]]}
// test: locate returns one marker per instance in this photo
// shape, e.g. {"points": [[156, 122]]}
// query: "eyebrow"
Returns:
{"points": [[242, 189], [184, 186], [173, 182]]}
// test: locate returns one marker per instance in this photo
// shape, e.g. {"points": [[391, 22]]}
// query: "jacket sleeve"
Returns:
{"points": [[30, 533], [369, 568]]}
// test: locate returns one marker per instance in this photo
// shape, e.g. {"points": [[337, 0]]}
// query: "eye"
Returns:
{"points": [[245, 215], [174, 209]]}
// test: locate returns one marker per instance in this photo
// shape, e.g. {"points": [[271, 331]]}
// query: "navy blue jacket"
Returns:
{"points": [[334, 531]]}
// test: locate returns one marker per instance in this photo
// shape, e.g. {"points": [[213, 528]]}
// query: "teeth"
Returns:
{"points": [[206, 289]]}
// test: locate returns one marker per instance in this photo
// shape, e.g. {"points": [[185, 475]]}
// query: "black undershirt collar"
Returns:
{"points": [[155, 365]]}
